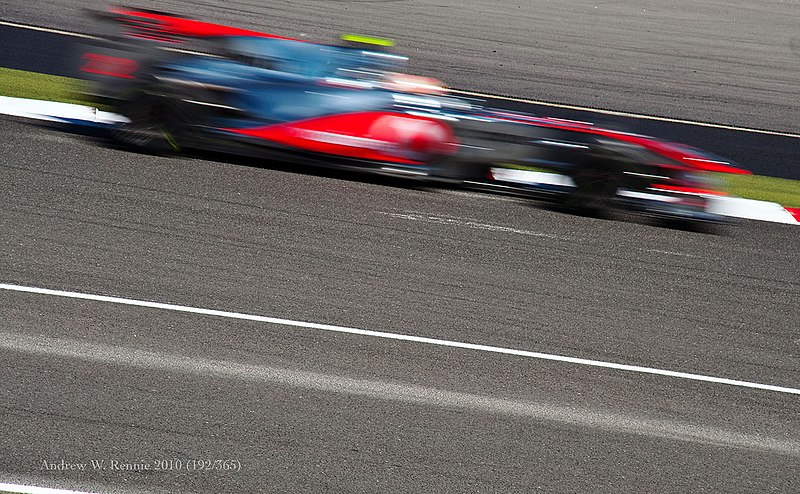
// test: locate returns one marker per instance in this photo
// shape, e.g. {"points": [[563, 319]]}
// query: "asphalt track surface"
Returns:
{"points": [[309, 410], [314, 410], [733, 62]]}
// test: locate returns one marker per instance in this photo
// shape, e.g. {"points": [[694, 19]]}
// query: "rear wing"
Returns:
{"points": [[168, 28], [131, 42]]}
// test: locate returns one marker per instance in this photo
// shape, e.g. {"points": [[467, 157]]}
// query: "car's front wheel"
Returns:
{"points": [[596, 183]]}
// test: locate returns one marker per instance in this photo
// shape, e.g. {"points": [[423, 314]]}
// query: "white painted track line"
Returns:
{"points": [[32, 489], [616, 113], [46, 30], [402, 337]]}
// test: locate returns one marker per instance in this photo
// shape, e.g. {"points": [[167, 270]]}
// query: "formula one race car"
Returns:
{"points": [[183, 83]]}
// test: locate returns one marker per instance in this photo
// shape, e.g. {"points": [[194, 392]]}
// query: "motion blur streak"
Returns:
{"points": [[404, 393]]}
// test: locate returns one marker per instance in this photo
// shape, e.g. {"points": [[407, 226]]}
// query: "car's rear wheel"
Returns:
{"points": [[147, 128]]}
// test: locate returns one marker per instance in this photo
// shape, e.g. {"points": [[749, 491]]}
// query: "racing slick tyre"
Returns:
{"points": [[596, 185], [147, 129], [458, 171]]}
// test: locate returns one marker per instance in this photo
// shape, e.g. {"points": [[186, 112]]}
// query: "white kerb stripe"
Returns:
{"points": [[401, 337]]}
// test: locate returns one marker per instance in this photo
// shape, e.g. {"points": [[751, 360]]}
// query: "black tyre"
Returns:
{"points": [[147, 131], [596, 185], [460, 171]]}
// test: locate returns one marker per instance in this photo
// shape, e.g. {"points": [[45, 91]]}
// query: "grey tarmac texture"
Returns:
{"points": [[729, 62], [375, 254], [89, 380]]}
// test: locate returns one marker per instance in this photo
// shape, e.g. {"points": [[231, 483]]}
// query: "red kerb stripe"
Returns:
{"points": [[794, 212]]}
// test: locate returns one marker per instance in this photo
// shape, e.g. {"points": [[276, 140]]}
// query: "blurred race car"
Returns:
{"points": [[183, 83]]}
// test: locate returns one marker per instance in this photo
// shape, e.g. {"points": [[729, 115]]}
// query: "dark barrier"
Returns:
{"points": [[38, 51]]}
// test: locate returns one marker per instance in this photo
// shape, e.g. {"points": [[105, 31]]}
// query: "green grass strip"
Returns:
{"points": [[22, 84], [783, 191]]}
